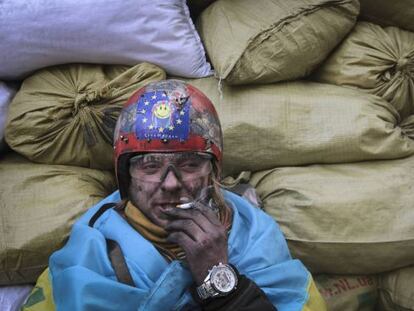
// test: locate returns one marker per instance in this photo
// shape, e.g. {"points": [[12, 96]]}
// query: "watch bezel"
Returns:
{"points": [[215, 274]]}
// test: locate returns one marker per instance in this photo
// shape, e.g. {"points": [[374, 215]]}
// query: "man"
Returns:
{"points": [[173, 239]]}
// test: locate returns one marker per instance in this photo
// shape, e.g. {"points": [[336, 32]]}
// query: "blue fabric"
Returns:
{"points": [[83, 278]]}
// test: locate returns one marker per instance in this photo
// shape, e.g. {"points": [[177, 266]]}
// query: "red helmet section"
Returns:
{"points": [[165, 116]]}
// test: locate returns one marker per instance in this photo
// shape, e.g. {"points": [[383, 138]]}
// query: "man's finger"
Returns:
{"points": [[208, 213], [182, 239], [207, 220], [191, 228]]}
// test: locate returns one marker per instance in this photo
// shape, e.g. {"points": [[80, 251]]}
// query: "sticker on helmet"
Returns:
{"points": [[159, 117], [126, 121]]}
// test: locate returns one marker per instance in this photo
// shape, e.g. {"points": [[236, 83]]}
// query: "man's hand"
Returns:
{"points": [[201, 235]]}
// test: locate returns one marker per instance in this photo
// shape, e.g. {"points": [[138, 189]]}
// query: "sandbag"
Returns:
{"points": [[297, 123], [344, 218], [273, 40], [67, 114], [348, 293], [35, 34], [398, 13], [396, 290], [6, 95], [378, 60], [39, 204]]}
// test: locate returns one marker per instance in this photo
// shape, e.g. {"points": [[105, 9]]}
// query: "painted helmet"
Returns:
{"points": [[165, 116]]}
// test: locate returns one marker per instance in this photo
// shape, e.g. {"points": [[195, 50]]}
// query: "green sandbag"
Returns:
{"points": [[398, 13], [39, 204], [344, 218], [297, 123], [67, 114], [396, 290], [274, 40], [348, 292], [378, 60]]}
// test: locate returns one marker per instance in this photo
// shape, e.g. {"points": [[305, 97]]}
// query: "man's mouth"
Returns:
{"points": [[165, 205]]}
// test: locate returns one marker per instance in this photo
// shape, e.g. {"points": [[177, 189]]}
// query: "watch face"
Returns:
{"points": [[223, 279]]}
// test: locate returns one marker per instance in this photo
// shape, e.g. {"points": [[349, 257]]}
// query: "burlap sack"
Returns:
{"points": [[378, 60], [274, 40], [67, 114], [348, 293], [300, 123], [397, 290], [398, 13], [344, 218], [38, 205]]}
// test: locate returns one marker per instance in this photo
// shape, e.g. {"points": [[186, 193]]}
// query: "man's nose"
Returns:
{"points": [[171, 181]]}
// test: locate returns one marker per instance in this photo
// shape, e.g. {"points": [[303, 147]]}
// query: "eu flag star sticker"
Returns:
{"points": [[156, 113]]}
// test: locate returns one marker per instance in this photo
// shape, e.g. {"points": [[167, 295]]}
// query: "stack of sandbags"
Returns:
{"points": [[349, 212], [298, 123], [6, 95], [377, 60], [396, 290], [380, 60], [35, 34], [351, 218], [39, 203]]}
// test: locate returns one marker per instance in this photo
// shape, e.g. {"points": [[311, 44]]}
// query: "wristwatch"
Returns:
{"points": [[220, 281]]}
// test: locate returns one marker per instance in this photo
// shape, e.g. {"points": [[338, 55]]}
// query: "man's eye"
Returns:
{"points": [[190, 165], [151, 166]]}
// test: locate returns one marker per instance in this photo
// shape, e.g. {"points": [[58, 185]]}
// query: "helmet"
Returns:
{"points": [[165, 116]]}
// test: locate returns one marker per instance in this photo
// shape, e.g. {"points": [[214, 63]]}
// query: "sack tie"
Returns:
{"points": [[84, 99]]}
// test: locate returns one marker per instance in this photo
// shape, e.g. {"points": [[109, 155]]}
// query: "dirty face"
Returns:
{"points": [[161, 182]]}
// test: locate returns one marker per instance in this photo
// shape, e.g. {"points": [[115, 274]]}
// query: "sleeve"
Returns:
{"points": [[247, 297]]}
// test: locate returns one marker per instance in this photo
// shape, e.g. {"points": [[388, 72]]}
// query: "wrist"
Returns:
{"points": [[200, 277]]}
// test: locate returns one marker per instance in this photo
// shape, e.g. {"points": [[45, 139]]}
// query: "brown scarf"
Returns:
{"points": [[158, 236]]}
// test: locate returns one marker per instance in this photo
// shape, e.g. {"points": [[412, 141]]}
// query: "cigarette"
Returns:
{"points": [[185, 205]]}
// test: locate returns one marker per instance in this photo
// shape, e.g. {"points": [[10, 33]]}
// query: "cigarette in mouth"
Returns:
{"points": [[185, 205]]}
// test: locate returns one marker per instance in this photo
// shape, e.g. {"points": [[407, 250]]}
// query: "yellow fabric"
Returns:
{"points": [[41, 297], [315, 301], [153, 233]]}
